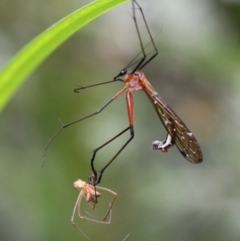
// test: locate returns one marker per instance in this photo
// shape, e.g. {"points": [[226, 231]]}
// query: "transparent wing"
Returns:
{"points": [[182, 137]]}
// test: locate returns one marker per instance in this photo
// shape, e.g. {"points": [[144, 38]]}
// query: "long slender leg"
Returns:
{"points": [[141, 63], [109, 211], [90, 86], [144, 60], [73, 215], [86, 117], [97, 180]]}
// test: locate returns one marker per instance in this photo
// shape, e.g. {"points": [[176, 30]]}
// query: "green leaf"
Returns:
{"points": [[27, 59]]}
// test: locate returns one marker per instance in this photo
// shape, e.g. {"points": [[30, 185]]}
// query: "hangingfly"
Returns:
{"points": [[177, 132]]}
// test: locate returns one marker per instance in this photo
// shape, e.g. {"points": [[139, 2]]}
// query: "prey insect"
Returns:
{"points": [[90, 194], [135, 80]]}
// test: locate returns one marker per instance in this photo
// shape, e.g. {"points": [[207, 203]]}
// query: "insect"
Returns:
{"points": [[90, 194], [135, 80]]}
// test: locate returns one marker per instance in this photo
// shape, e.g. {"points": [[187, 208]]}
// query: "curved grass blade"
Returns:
{"points": [[26, 60]]}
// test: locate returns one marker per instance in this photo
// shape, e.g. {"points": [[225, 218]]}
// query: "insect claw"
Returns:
{"points": [[79, 88]]}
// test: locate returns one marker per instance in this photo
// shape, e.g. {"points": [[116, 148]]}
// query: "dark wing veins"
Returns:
{"points": [[182, 137]]}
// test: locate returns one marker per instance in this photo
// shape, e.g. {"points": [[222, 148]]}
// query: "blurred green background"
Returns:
{"points": [[160, 196]]}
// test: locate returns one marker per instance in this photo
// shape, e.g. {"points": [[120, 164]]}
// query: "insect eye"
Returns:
{"points": [[122, 72]]}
